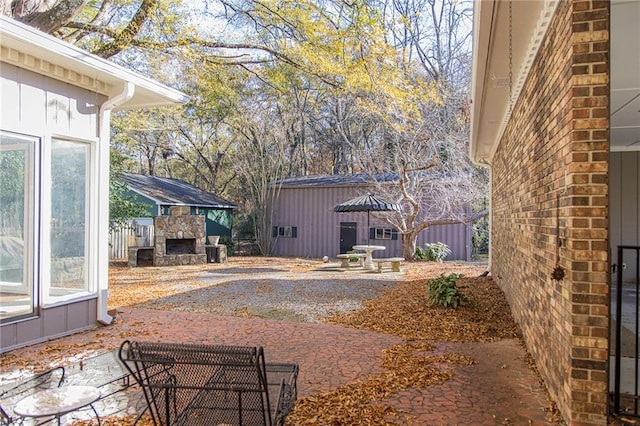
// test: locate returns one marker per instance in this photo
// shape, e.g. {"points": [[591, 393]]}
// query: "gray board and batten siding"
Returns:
{"points": [[47, 106], [624, 204], [307, 204]]}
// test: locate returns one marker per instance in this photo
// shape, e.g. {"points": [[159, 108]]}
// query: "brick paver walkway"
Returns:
{"points": [[498, 389]]}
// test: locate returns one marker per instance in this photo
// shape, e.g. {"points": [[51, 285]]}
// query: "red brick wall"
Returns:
{"points": [[556, 148]]}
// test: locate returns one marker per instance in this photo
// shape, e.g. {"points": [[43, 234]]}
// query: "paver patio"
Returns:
{"points": [[499, 388]]}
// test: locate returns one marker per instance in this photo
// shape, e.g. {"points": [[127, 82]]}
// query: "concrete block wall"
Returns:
{"points": [[549, 209]]}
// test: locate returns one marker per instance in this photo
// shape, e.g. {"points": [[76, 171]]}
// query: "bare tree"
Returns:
{"points": [[424, 142], [263, 161], [433, 180]]}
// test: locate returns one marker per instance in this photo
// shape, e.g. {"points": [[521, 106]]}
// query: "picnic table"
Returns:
{"points": [[368, 249]]}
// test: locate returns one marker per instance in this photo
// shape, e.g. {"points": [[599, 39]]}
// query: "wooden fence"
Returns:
{"points": [[124, 237]]}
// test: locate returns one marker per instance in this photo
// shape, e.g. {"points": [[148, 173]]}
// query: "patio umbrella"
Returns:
{"points": [[367, 203]]}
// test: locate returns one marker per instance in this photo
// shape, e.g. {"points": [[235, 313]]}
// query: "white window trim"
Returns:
{"points": [[31, 248], [383, 233], [91, 237]]}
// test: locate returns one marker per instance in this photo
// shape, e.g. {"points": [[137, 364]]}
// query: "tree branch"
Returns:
{"points": [[123, 38], [54, 18]]}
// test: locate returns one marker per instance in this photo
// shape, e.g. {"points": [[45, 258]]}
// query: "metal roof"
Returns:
{"points": [[336, 180], [169, 191]]}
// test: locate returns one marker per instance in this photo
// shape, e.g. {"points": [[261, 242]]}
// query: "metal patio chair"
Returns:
{"points": [[195, 384], [8, 398]]}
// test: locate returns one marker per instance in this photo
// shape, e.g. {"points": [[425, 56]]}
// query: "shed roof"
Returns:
{"points": [[174, 192], [360, 179]]}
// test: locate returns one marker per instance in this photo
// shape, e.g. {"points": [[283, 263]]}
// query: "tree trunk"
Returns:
{"points": [[45, 16], [409, 245]]}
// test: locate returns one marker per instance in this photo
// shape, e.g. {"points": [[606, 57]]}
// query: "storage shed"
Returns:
{"points": [[160, 194], [306, 224]]}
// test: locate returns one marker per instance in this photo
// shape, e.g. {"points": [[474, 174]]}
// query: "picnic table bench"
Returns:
{"points": [[346, 258], [197, 384], [394, 261]]}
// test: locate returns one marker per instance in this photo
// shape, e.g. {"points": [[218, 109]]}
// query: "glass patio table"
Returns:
{"points": [[84, 383], [57, 402]]}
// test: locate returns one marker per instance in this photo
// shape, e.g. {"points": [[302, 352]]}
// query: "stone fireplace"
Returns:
{"points": [[181, 246], [179, 240]]}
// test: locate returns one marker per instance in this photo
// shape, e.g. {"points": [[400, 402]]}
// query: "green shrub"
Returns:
{"points": [[436, 252], [355, 258], [443, 291], [421, 254], [227, 241]]}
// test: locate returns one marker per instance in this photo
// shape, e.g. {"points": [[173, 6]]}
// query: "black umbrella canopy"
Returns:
{"points": [[366, 203]]}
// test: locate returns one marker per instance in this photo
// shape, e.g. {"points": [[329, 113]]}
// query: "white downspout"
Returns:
{"points": [[485, 163], [490, 257], [102, 271]]}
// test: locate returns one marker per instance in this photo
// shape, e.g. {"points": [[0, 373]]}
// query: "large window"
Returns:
{"points": [[64, 192], [17, 225], [70, 165]]}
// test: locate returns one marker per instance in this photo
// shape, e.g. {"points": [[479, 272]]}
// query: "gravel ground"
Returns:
{"points": [[283, 289]]}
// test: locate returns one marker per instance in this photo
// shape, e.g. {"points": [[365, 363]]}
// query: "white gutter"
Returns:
{"points": [[104, 132]]}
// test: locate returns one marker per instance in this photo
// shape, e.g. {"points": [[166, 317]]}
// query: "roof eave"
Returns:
{"points": [[203, 206], [495, 83], [482, 16], [67, 62]]}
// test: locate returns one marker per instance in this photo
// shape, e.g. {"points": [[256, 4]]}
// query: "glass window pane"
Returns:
{"points": [[69, 217], [16, 225]]}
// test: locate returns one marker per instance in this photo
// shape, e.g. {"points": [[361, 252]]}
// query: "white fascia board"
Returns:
{"points": [[160, 203], [482, 19], [490, 100], [204, 206], [18, 37]]}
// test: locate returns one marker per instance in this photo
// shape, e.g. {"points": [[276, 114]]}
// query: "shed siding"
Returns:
{"points": [[310, 209], [43, 107]]}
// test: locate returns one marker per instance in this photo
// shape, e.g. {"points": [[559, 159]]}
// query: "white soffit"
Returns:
{"points": [[490, 75], [29, 48]]}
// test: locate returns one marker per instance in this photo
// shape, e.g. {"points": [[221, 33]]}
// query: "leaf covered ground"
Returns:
{"points": [[401, 309], [406, 311]]}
